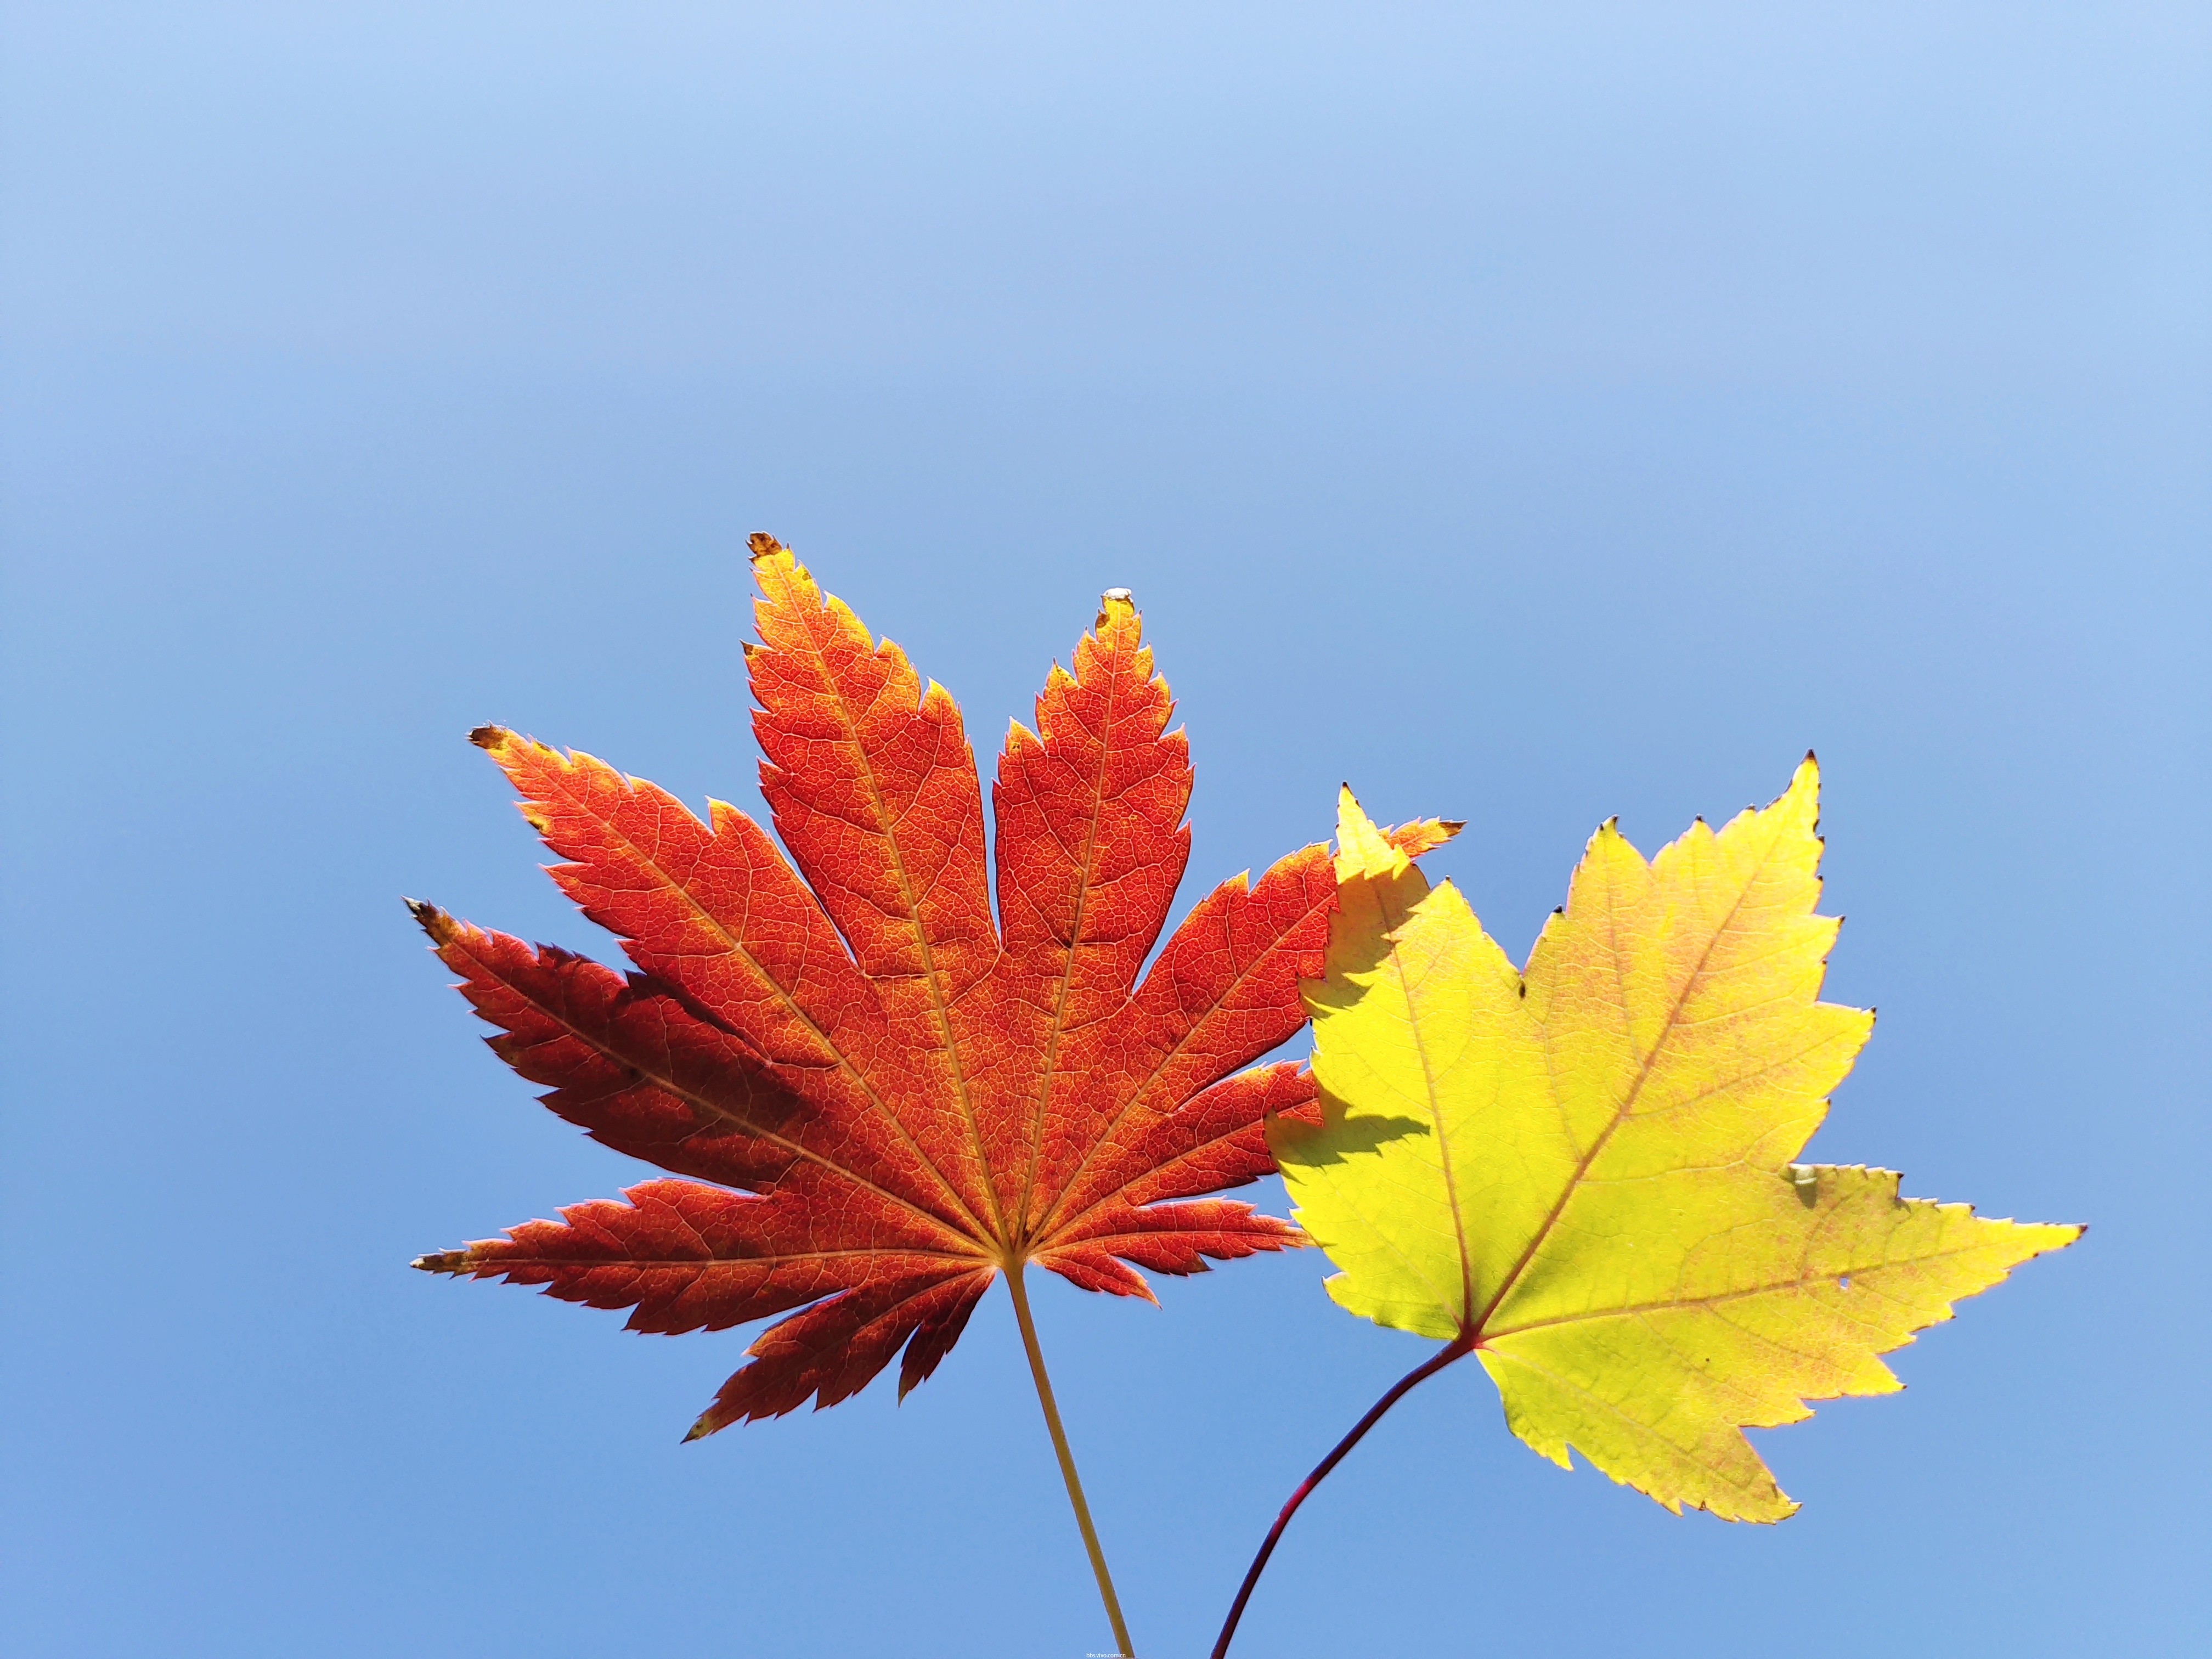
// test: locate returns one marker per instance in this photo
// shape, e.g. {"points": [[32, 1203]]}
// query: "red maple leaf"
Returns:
{"points": [[895, 1099]]}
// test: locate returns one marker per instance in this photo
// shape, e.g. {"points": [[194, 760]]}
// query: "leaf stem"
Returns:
{"points": [[1459, 1348], [1067, 1462]]}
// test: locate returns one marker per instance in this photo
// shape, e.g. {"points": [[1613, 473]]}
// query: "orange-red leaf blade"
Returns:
{"points": [[721, 917], [873, 789], [640, 1072], [683, 1256], [919, 1093], [833, 1349], [1091, 848]]}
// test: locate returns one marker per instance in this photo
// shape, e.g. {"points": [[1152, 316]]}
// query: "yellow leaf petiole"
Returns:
{"points": [[1067, 1462]]}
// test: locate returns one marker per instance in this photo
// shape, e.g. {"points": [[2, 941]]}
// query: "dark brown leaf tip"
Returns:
{"points": [[435, 922], [762, 545], [442, 1261], [493, 737]]}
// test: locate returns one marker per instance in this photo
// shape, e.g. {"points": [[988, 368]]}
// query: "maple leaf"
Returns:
{"points": [[1582, 1173], [895, 1097]]}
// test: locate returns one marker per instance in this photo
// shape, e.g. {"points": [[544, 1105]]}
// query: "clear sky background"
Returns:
{"points": [[1528, 413]]}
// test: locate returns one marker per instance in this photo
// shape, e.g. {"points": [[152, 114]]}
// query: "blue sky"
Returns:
{"points": [[1529, 415]]}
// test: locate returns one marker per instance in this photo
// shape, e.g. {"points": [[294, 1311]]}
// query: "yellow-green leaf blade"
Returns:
{"points": [[1420, 1011], [1796, 1286], [1586, 1175]]}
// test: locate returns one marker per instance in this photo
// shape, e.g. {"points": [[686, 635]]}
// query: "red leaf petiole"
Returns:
{"points": [[1459, 1348]]}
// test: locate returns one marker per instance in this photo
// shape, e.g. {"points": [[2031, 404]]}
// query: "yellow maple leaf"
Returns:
{"points": [[1582, 1173]]}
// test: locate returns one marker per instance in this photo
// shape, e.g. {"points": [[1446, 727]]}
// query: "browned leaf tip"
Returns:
{"points": [[435, 922]]}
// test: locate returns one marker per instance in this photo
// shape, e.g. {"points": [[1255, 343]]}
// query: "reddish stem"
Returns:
{"points": [[1458, 1349]]}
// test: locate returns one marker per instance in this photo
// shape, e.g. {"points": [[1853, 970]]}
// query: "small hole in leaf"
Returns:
{"points": [[1844, 1283]]}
